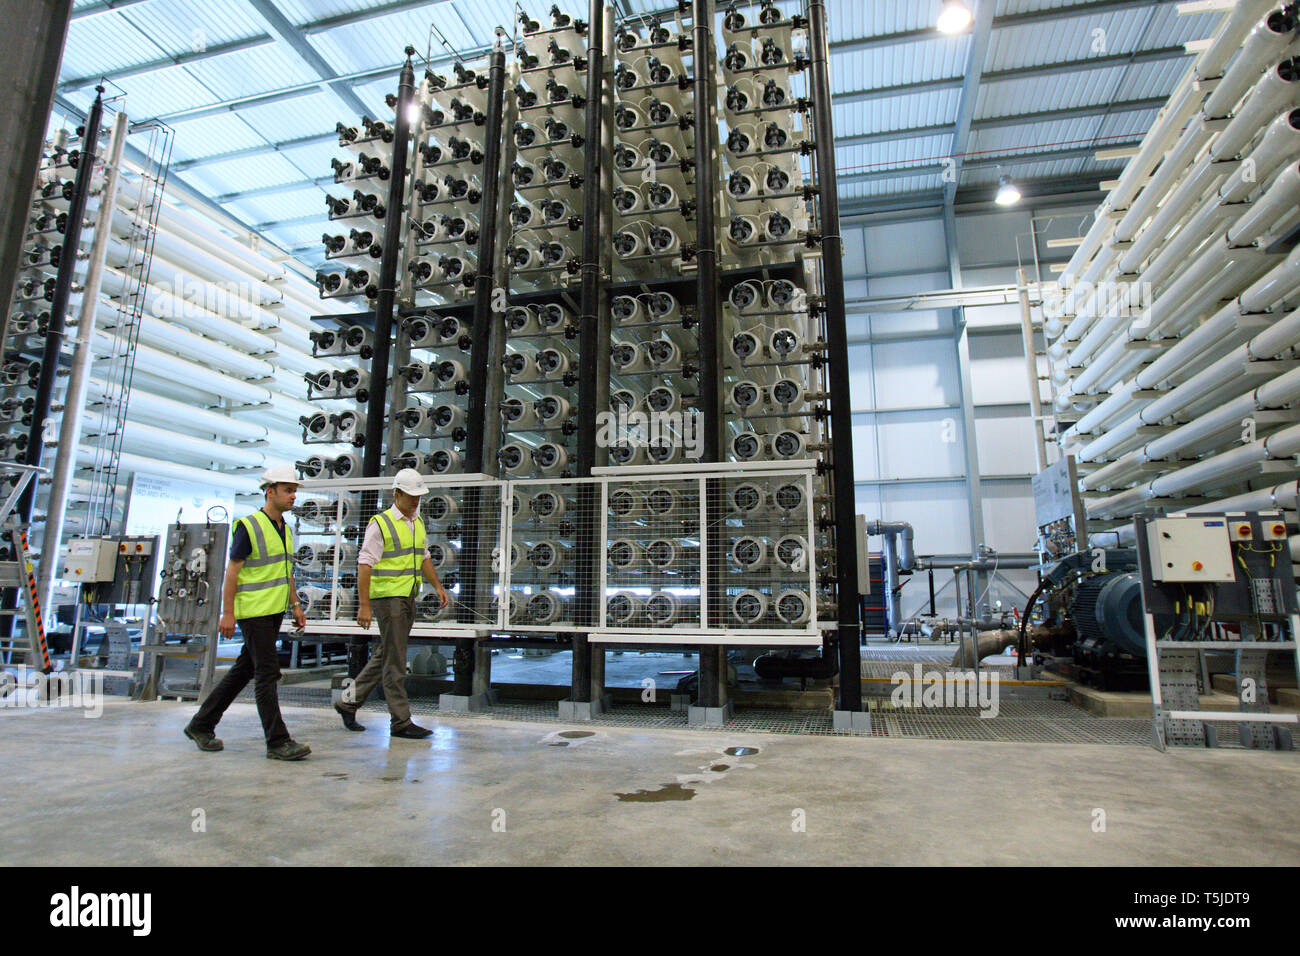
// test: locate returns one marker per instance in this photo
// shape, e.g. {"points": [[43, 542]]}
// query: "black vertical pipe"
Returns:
{"points": [[706, 255], [711, 670], [377, 402], [480, 333], [59, 304], [588, 552], [476, 422], [828, 201]]}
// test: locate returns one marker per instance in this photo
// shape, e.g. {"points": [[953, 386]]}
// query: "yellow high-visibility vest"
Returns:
{"points": [[397, 572], [262, 587]]}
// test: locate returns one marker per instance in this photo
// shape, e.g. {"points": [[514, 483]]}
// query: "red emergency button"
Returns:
{"points": [[1243, 530], [1279, 530], [1197, 566]]}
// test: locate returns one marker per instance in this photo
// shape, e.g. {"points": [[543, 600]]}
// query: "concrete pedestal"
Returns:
{"points": [[851, 721], [460, 704], [584, 709], [709, 716]]}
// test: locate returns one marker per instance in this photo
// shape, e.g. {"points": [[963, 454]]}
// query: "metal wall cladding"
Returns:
{"points": [[292, 204], [235, 176], [893, 155], [1034, 94], [903, 111], [900, 63], [849, 19], [163, 92], [378, 41], [247, 72], [212, 136], [313, 112]]}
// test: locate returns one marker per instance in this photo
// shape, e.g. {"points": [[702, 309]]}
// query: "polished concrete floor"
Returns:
{"points": [[127, 789]]}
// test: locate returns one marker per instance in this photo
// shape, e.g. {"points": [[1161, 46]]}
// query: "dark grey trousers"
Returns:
{"points": [[387, 664]]}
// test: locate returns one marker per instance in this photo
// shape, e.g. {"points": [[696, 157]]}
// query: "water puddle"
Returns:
{"points": [[669, 791]]}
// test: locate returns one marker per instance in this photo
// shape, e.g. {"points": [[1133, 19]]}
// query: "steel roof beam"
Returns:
{"points": [[361, 16], [1017, 73], [985, 162], [315, 139], [104, 6], [1001, 122], [162, 63], [275, 190], [982, 30], [1088, 8], [293, 40]]}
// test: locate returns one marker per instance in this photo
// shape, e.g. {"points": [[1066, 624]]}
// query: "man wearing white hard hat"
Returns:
{"points": [[259, 590], [390, 564]]}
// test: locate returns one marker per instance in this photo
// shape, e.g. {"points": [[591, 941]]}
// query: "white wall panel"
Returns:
{"points": [[1009, 516], [1001, 316], [989, 275], [998, 372], [855, 255], [920, 444], [902, 324], [909, 284], [1005, 445], [915, 373], [937, 512], [893, 247], [860, 374], [991, 237], [865, 460], [899, 372]]}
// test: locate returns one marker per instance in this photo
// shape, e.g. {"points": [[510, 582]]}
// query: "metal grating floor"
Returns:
{"points": [[902, 653], [1017, 722], [886, 669]]}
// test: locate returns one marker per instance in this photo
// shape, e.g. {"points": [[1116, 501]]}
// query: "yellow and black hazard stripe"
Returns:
{"points": [[46, 666]]}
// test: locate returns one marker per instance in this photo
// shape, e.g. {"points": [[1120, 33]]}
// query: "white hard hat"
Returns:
{"points": [[279, 474], [410, 481]]}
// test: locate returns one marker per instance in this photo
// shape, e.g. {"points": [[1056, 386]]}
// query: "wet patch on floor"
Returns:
{"points": [[571, 738], [336, 774], [740, 751], [669, 791]]}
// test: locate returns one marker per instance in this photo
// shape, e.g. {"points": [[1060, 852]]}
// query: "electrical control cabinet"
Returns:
{"points": [[1190, 550], [90, 560]]}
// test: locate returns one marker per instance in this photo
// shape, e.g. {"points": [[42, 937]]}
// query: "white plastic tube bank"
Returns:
{"points": [[1227, 40], [157, 410], [1096, 258], [1208, 351], [130, 463]]}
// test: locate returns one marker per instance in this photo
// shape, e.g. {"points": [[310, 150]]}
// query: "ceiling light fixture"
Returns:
{"points": [[1008, 194], [954, 17]]}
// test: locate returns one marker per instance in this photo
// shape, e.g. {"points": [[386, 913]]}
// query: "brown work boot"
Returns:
{"points": [[204, 740]]}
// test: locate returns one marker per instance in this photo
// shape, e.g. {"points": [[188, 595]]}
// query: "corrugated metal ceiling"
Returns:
{"points": [[179, 55]]}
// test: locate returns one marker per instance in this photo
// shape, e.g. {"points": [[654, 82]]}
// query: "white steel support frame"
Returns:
{"points": [[421, 629], [961, 347], [807, 634]]}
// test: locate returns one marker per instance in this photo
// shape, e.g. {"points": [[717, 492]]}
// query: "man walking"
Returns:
{"points": [[259, 589], [390, 564]]}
